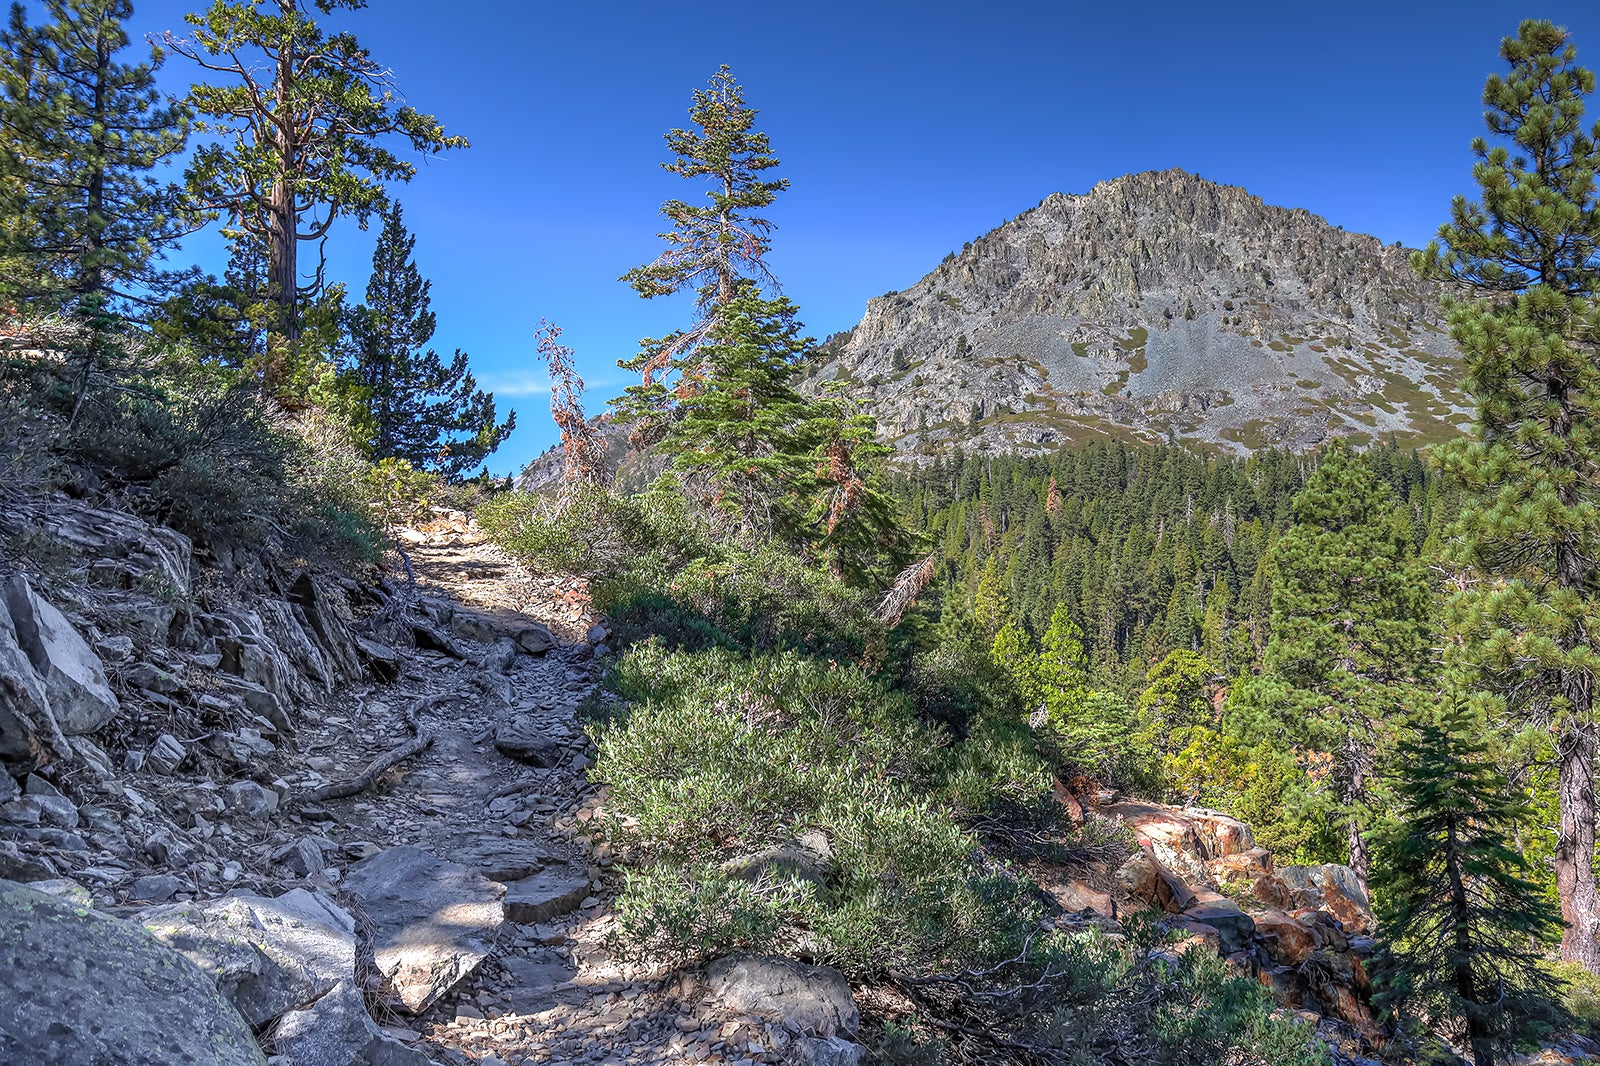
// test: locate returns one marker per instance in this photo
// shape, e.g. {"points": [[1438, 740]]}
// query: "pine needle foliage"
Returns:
{"points": [[1462, 923], [1527, 621]]}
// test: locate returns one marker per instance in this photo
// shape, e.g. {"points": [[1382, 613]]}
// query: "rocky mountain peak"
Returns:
{"points": [[1159, 306]]}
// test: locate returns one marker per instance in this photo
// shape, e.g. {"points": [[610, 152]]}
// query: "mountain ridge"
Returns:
{"points": [[1164, 307]]}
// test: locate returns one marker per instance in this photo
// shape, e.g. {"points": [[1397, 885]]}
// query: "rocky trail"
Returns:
{"points": [[376, 851]]}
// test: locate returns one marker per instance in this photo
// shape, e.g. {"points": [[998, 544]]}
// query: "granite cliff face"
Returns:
{"points": [[1158, 306]]}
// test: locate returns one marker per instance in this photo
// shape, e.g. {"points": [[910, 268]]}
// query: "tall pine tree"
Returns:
{"points": [[424, 410], [1460, 918], [303, 119], [85, 218], [1527, 622], [1350, 629]]}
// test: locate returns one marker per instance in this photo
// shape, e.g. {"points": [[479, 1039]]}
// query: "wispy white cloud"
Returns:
{"points": [[532, 383]]}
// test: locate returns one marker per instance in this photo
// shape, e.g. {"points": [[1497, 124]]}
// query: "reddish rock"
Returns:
{"points": [[1222, 914], [1243, 865], [1272, 891], [1079, 896], [1287, 940], [1150, 883], [1197, 935], [1340, 892]]}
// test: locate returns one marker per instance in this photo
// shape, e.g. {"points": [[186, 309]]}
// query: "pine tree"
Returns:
{"points": [[1528, 619], [420, 405], [1460, 919], [86, 220], [302, 119], [712, 249], [1350, 625]]}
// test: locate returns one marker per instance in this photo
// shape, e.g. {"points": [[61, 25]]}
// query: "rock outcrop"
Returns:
{"points": [[1157, 306], [77, 987]]}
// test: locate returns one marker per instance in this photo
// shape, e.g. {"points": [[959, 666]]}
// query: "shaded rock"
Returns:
{"points": [[382, 660], [74, 680], [503, 859], [1075, 897], [159, 558], [808, 857], [432, 920], [814, 999], [117, 649], [535, 640], [1285, 939], [78, 987], [266, 956], [29, 733], [166, 754], [22, 868], [325, 614], [472, 626], [826, 1051], [520, 736], [501, 654], [9, 789], [1148, 882], [152, 678], [337, 1031], [1234, 926], [545, 895], [155, 888]]}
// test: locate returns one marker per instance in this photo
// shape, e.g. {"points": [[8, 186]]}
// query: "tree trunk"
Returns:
{"points": [[1575, 838], [283, 275], [1461, 937]]}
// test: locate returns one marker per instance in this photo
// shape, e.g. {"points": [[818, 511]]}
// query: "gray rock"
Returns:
{"points": [[1234, 926], [337, 1031], [545, 895], [78, 987], [251, 800], [502, 859], [476, 627], [117, 649], [521, 737], [166, 754], [29, 733], [155, 888], [152, 678], [597, 634], [501, 654], [9, 790], [267, 956], [302, 857], [813, 999], [808, 857], [23, 868], [74, 680], [535, 640], [432, 920], [825, 1051], [66, 890]]}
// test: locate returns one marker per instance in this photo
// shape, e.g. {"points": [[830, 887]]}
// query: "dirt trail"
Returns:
{"points": [[552, 993]]}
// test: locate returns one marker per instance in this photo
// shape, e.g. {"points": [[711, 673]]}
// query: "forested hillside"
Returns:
{"points": [[764, 721]]}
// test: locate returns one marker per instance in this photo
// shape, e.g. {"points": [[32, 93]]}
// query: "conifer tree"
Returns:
{"points": [[712, 249], [1527, 622], [1350, 628], [424, 410], [1460, 919], [302, 119], [85, 219]]}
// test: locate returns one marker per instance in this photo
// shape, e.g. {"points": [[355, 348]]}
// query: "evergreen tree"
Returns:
{"points": [[1461, 922], [1350, 624], [420, 405], [712, 249], [1528, 619], [301, 118], [85, 218]]}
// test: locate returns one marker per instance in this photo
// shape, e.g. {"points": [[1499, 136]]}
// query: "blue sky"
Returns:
{"points": [[905, 130]]}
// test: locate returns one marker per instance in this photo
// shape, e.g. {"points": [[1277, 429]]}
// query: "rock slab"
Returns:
{"points": [[79, 987], [433, 921], [74, 679], [814, 999]]}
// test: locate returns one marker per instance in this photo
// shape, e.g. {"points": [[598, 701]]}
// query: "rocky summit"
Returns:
{"points": [[1162, 307]]}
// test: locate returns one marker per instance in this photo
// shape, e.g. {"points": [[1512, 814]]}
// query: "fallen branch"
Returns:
{"points": [[419, 743]]}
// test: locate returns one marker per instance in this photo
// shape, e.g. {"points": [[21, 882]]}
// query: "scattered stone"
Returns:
{"points": [[251, 800], [9, 789], [808, 857], [117, 649], [521, 737], [155, 888], [813, 999], [79, 987], [431, 920], [535, 640], [152, 678], [166, 754], [826, 1051], [545, 895]]}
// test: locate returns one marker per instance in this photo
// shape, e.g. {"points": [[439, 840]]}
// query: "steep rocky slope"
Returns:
{"points": [[1158, 306]]}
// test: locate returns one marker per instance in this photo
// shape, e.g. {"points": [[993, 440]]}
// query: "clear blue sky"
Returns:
{"points": [[905, 129]]}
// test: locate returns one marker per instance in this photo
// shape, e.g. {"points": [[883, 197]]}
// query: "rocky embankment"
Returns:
{"points": [[252, 811]]}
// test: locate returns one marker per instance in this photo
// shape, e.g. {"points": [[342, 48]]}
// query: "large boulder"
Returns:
{"points": [[1233, 925], [1147, 881], [266, 955], [29, 734], [79, 987], [337, 1031], [432, 920], [1286, 939], [154, 559], [73, 678], [1186, 840], [814, 999]]}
